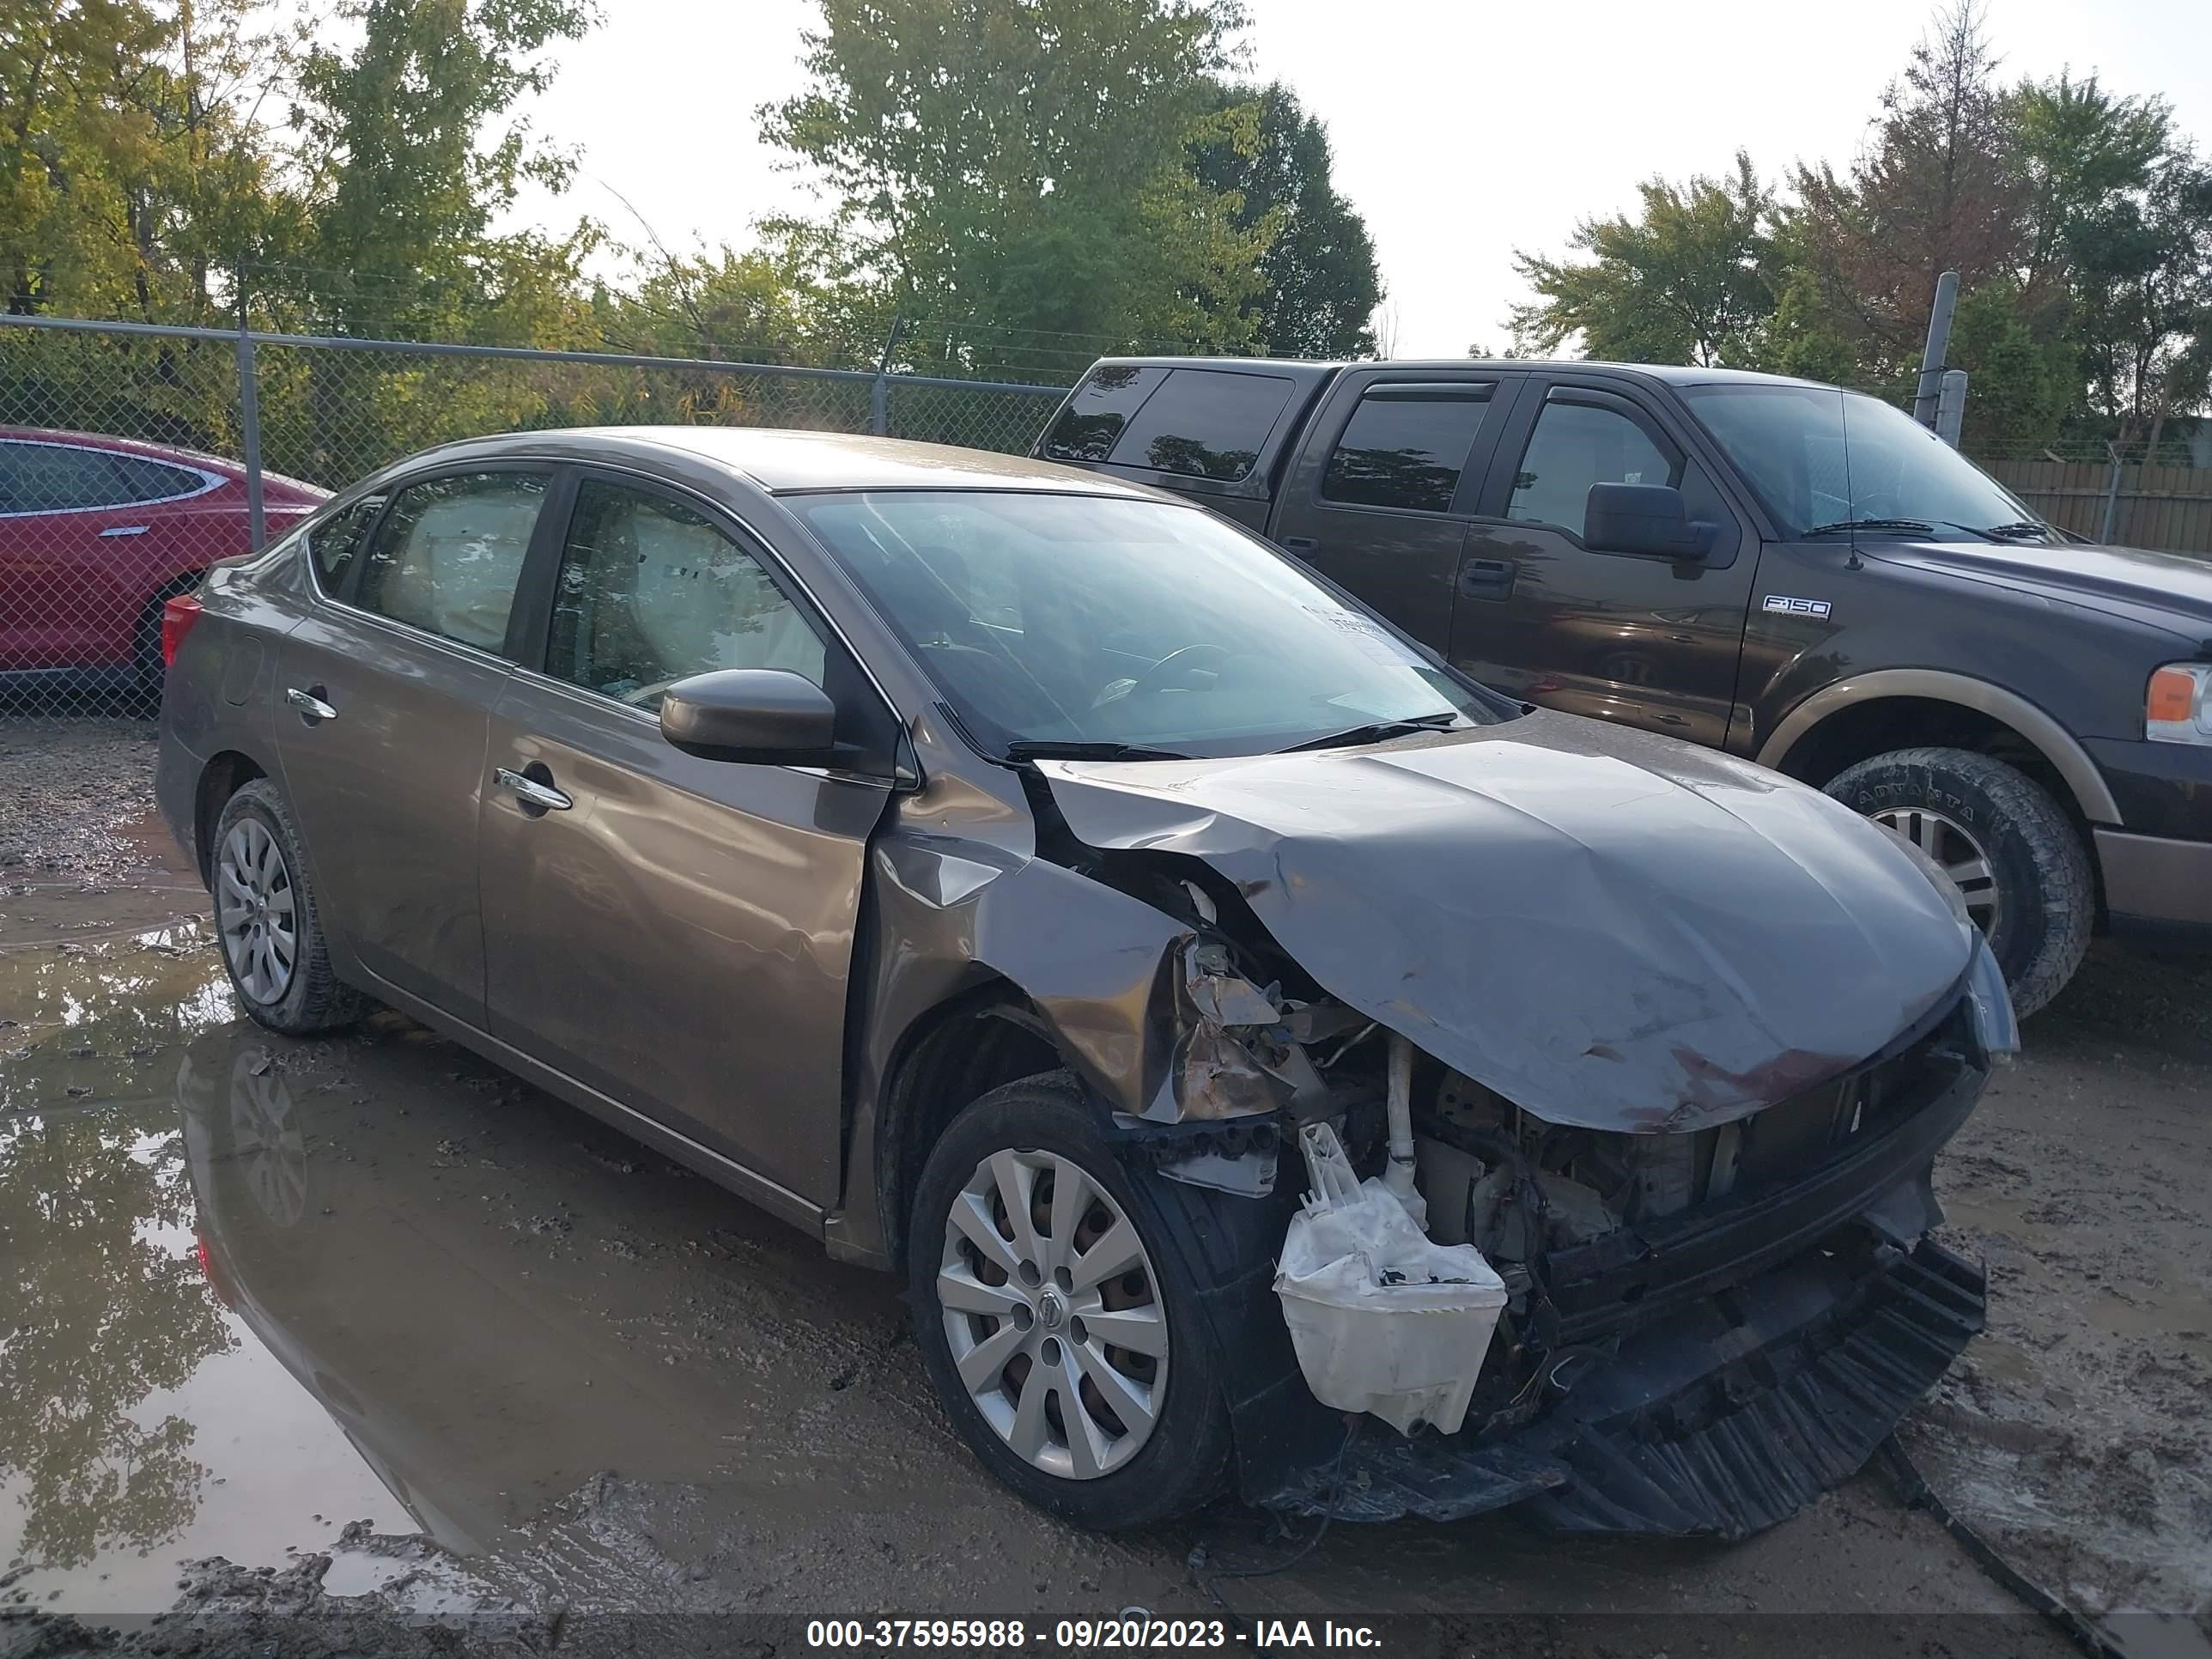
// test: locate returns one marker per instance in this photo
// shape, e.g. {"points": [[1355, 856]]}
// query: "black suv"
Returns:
{"points": [[1784, 570]]}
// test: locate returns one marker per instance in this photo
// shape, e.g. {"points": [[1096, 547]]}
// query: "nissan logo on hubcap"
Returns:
{"points": [[1050, 1311]]}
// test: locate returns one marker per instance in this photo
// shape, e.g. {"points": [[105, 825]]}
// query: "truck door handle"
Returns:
{"points": [[310, 703], [1486, 579], [542, 796], [1298, 543]]}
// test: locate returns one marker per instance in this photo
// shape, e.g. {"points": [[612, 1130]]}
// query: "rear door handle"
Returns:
{"points": [[1486, 579], [1299, 543], [123, 529], [310, 706], [542, 796]]}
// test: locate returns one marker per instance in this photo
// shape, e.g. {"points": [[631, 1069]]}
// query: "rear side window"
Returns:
{"points": [[332, 544], [38, 478], [1102, 406], [448, 555], [1204, 423], [155, 481], [1406, 446]]}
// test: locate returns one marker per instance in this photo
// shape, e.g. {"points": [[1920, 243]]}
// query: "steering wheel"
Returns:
{"points": [[1164, 672]]}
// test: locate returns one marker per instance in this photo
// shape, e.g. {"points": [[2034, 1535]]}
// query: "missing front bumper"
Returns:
{"points": [[1723, 1421]]}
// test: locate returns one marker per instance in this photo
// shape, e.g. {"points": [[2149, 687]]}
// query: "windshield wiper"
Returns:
{"points": [[2019, 530], [1912, 526], [1376, 731], [1074, 749]]}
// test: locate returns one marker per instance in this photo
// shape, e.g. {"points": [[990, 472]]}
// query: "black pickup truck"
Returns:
{"points": [[1792, 573]]}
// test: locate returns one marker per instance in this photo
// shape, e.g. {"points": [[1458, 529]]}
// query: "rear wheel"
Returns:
{"points": [[1053, 1317], [2014, 852], [266, 917]]}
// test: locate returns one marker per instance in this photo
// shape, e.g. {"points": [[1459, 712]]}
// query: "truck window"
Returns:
{"points": [[1574, 446], [1406, 446], [1204, 423], [1093, 419]]}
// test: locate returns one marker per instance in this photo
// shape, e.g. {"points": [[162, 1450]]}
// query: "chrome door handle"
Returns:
{"points": [[309, 704], [123, 529], [542, 796]]}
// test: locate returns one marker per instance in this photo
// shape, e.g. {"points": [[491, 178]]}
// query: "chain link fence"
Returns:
{"points": [[132, 456]]}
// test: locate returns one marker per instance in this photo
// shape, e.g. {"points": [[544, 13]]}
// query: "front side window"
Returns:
{"points": [[1574, 446], [448, 555], [1820, 458], [1063, 619], [1405, 447], [1204, 423], [652, 591], [36, 478]]}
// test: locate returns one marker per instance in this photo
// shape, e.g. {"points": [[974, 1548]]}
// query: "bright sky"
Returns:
{"points": [[1464, 129]]}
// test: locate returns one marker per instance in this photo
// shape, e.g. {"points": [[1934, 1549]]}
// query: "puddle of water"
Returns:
{"points": [[256, 1290]]}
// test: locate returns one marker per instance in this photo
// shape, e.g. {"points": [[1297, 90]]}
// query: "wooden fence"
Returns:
{"points": [[2166, 507]]}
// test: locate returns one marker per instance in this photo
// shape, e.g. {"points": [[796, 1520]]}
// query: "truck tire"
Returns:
{"points": [[1009, 1317], [2016, 855]]}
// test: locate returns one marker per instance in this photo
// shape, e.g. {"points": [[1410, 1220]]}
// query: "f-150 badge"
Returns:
{"points": [[1790, 607]]}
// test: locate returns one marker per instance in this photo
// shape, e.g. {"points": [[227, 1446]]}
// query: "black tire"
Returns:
{"points": [[313, 999], [2047, 895], [1182, 1464]]}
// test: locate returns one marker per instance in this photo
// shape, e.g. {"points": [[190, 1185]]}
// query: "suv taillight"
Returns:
{"points": [[178, 615]]}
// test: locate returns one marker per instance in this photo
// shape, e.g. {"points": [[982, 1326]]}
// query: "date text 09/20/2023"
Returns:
{"points": [[1128, 1630]]}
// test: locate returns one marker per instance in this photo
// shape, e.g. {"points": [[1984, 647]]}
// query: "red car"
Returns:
{"points": [[95, 533]]}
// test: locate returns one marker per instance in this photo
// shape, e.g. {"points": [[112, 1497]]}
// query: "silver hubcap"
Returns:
{"points": [[1948, 843], [1053, 1314], [254, 907]]}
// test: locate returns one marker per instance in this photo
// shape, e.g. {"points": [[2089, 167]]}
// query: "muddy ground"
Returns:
{"points": [[315, 1348]]}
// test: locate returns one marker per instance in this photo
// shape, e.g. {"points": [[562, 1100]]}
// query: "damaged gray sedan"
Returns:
{"points": [[1003, 873]]}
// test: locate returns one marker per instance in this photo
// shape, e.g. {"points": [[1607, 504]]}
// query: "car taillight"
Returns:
{"points": [[178, 615]]}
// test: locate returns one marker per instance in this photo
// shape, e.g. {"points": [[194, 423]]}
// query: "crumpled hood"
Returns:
{"points": [[1611, 929]]}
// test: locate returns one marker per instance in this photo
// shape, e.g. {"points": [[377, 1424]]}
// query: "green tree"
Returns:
{"points": [[1938, 188], [1319, 285], [412, 150], [2142, 305], [1026, 168], [1687, 280]]}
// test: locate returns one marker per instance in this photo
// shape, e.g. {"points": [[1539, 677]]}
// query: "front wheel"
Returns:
{"points": [[1054, 1317], [2015, 855], [266, 918]]}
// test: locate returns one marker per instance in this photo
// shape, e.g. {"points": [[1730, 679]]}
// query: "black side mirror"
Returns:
{"points": [[768, 716], [1649, 519]]}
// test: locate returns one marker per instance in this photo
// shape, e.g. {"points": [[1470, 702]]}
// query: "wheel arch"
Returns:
{"points": [[952, 1054], [1868, 715], [223, 776]]}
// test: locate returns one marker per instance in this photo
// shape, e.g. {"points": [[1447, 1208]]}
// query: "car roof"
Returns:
{"points": [[1315, 368], [193, 458], [784, 462]]}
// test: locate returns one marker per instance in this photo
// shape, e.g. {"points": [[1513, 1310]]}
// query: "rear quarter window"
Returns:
{"points": [[1204, 423], [1095, 416]]}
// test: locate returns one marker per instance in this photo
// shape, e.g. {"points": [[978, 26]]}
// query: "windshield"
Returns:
{"points": [[1073, 620], [1818, 457]]}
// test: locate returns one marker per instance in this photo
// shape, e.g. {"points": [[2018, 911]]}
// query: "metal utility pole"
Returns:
{"points": [[880, 398], [1930, 390], [249, 423], [1951, 406]]}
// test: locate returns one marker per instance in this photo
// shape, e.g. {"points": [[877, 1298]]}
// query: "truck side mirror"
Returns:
{"points": [[1644, 519]]}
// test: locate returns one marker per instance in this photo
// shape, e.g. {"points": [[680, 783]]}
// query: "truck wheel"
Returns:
{"points": [[1053, 1317], [2015, 855]]}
